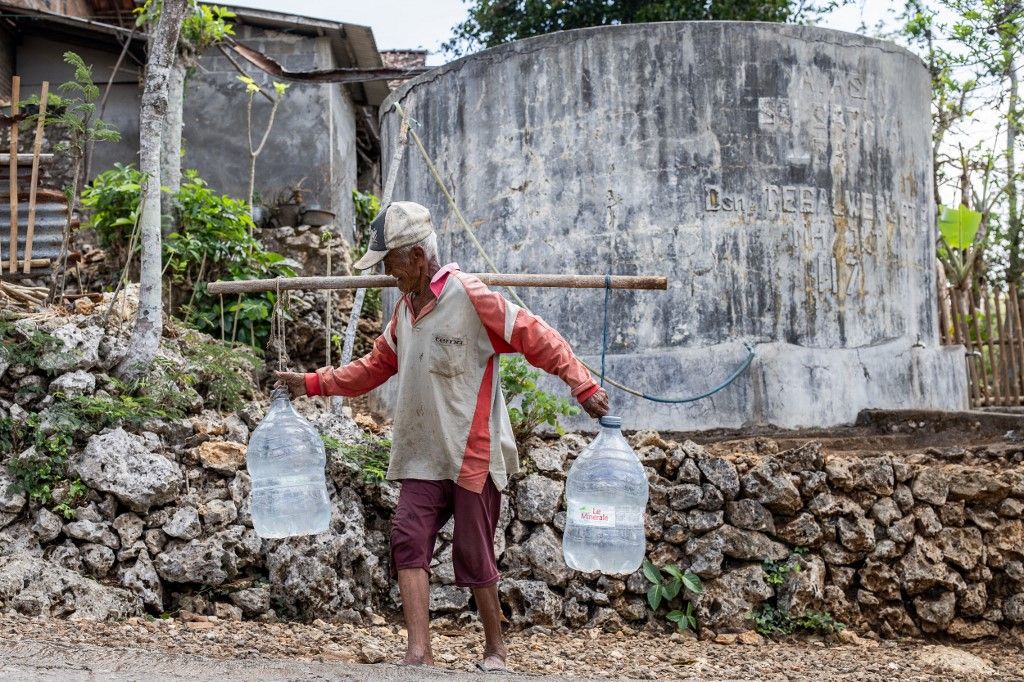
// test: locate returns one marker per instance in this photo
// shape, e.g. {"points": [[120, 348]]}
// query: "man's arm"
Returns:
{"points": [[355, 378], [515, 330]]}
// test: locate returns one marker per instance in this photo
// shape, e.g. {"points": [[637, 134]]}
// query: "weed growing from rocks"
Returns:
{"points": [[666, 584], [536, 407], [370, 457], [770, 620]]}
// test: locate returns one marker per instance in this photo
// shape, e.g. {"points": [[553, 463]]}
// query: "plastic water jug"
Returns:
{"points": [[286, 460], [606, 494]]}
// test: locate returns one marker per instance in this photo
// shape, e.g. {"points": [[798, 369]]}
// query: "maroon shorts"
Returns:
{"points": [[423, 509]]}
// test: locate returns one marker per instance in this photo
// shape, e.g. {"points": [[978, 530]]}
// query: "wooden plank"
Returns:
{"points": [[13, 243], [1005, 350], [1016, 340], [961, 337], [979, 345], [30, 235], [490, 279], [995, 358], [25, 159]]}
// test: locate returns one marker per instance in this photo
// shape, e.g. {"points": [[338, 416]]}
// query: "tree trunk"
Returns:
{"points": [[149, 321], [1013, 216], [170, 143]]}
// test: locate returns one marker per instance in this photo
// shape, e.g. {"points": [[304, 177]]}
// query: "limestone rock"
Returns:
{"points": [[750, 515], [538, 498], [240, 489], [803, 531], [712, 498], [218, 513], [971, 630], [74, 383], [885, 511], [47, 525], [211, 560], [92, 531], [807, 457], [922, 568], [543, 551], [802, 590], [78, 349], [702, 521], [1013, 608], [880, 578], [935, 613], [931, 485], [928, 523], [963, 547], [857, 535], [184, 524], [142, 579], [721, 473], [35, 587], [448, 598], [129, 528], [10, 500], [224, 457], [531, 602], [120, 463], [726, 602], [254, 601], [684, 496], [228, 612], [874, 474], [770, 485], [973, 600], [98, 558], [976, 485], [1007, 537]]}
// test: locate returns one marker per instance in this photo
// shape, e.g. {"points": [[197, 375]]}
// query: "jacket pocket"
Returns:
{"points": [[447, 355]]}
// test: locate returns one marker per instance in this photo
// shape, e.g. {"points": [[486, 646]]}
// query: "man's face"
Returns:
{"points": [[408, 269]]}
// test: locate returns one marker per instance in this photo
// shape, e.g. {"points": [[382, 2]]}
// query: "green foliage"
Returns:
{"points": [[769, 620], [213, 241], [666, 584], [367, 206], [958, 226], [76, 110], [493, 22], [222, 372], [775, 571], [203, 26], [537, 407], [17, 348], [370, 457], [74, 496]]}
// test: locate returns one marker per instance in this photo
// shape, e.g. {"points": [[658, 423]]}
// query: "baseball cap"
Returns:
{"points": [[400, 223]]}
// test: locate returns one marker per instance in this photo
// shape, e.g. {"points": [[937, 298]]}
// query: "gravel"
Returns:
{"points": [[197, 647]]}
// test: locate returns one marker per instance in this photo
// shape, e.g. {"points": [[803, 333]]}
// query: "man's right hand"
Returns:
{"points": [[295, 382]]}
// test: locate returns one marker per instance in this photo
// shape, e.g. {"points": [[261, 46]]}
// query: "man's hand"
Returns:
{"points": [[295, 382], [597, 405]]}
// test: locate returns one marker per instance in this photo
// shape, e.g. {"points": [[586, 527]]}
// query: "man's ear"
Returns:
{"points": [[419, 254]]}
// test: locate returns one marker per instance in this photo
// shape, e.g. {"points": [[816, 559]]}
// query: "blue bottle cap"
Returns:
{"points": [[611, 422]]}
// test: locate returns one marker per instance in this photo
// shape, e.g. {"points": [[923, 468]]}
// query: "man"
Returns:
{"points": [[452, 444]]}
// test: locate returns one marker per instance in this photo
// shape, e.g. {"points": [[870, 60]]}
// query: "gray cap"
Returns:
{"points": [[400, 223]]}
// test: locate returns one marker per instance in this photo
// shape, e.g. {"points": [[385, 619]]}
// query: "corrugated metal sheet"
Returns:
{"points": [[51, 217]]}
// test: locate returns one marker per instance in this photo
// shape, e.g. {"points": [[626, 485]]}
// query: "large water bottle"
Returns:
{"points": [[286, 460], [607, 495]]}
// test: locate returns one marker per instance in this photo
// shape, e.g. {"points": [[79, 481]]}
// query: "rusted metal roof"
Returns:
{"points": [[51, 217]]}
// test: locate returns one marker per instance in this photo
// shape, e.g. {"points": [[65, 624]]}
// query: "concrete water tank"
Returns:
{"points": [[780, 176]]}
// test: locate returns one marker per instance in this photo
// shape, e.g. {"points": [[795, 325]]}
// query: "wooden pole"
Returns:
{"points": [[995, 359], [490, 279], [30, 234], [980, 345], [15, 96], [963, 337]]}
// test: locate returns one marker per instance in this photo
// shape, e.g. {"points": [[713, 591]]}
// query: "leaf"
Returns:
{"points": [[959, 226], [654, 596], [674, 571], [692, 582], [671, 589], [675, 616], [652, 573]]}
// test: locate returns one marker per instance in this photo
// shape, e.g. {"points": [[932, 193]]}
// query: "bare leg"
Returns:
{"points": [[495, 651], [412, 583]]}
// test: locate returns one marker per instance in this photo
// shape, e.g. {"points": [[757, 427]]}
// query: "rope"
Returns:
{"points": [[277, 331], [604, 342]]}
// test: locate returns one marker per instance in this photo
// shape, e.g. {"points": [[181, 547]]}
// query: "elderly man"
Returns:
{"points": [[452, 445]]}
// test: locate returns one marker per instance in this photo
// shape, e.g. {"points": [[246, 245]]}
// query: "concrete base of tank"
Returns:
{"points": [[786, 386]]}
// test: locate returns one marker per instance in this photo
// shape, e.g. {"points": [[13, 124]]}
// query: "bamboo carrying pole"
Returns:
{"points": [[490, 279], [31, 230], [13, 244]]}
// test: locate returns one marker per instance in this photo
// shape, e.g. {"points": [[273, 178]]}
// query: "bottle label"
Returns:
{"points": [[587, 514]]}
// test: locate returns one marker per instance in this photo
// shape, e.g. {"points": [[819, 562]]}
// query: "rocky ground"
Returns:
{"points": [[211, 649]]}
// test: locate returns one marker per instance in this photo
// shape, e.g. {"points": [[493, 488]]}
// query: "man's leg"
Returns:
{"points": [[415, 589], [476, 517], [423, 508]]}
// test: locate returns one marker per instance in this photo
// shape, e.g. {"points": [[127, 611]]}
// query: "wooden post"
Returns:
{"points": [[995, 359], [1005, 351], [491, 279], [1013, 318], [962, 337], [31, 232], [15, 96], [981, 374]]}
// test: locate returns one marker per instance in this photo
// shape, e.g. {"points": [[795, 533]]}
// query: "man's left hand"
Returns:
{"points": [[597, 405]]}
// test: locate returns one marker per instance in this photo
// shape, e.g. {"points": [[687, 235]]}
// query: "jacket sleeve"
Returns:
{"points": [[362, 375], [512, 329]]}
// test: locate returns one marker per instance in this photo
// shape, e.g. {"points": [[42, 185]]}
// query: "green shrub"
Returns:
{"points": [[537, 407], [770, 620], [666, 584], [18, 348], [370, 457], [212, 240]]}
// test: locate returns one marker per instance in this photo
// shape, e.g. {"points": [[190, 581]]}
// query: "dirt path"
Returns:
{"points": [[175, 650]]}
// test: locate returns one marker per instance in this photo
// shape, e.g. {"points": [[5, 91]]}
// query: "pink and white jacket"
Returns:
{"points": [[451, 421]]}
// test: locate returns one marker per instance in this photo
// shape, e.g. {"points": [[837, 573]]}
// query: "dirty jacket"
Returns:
{"points": [[450, 418]]}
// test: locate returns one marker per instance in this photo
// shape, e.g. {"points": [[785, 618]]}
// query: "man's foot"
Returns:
{"points": [[494, 661], [414, 659]]}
